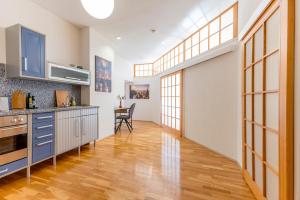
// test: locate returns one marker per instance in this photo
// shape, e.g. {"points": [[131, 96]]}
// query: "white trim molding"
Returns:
{"points": [[227, 47]]}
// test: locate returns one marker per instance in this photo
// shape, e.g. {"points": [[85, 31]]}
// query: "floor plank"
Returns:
{"points": [[148, 164]]}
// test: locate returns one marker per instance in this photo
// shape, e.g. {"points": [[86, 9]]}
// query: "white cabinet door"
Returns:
{"points": [[62, 135], [89, 129], [74, 133]]}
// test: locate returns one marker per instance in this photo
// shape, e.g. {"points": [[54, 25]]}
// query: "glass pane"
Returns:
{"points": [[258, 138], [249, 80], [258, 108], [178, 124], [272, 185], [178, 113], [273, 32], [227, 34], [204, 33], [176, 51], [177, 79], [258, 44], [249, 133], [177, 101], [173, 123], [258, 77], [176, 60], [173, 112], [188, 54], [195, 38], [181, 48], [272, 72], [272, 109], [214, 26], [180, 58], [249, 161], [178, 90], [248, 107], [188, 43], [272, 152], [249, 53], [258, 173], [195, 50], [227, 18], [214, 41], [204, 46]]}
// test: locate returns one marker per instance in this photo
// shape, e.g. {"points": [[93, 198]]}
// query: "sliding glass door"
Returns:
{"points": [[171, 101]]}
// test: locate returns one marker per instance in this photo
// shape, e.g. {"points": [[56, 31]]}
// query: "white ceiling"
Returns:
{"points": [[133, 19]]}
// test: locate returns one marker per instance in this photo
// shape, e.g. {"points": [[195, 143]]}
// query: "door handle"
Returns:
{"points": [[44, 143], [25, 62], [43, 127]]}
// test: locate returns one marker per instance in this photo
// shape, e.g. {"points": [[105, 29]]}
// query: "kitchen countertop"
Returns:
{"points": [[42, 110]]}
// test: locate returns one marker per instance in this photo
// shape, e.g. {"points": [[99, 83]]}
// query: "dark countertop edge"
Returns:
{"points": [[43, 110]]}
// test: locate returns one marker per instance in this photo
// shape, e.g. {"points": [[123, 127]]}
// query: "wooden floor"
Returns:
{"points": [[148, 164]]}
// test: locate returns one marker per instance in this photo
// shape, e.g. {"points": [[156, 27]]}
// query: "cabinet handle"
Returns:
{"points": [[3, 171], [46, 117], [44, 143], [44, 136], [43, 127], [25, 63]]}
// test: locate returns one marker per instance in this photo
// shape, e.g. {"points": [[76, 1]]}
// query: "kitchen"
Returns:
{"points": [[32, 132]]}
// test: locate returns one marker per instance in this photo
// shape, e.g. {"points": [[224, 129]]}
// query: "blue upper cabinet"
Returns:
{"points": [[25, 53], [33, 53]]}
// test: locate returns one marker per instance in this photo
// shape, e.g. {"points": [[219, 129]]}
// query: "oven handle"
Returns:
{"points": [[10, 128], [44, 143], [43, 127], [3, 171], [44, 136]]}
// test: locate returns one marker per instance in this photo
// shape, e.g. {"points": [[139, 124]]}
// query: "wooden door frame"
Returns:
{"points": [[286, 97]]}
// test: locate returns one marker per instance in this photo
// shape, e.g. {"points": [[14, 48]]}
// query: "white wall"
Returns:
{"points": [[297, 104], [146, 109], [210, 99], [62, 38], [120, 72]]}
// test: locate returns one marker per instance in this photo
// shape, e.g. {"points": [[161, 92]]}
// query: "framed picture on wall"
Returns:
{"points": [[139, 91], [103, 80]]}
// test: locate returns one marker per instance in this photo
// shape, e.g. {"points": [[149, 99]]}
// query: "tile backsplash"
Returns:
{"points": [[43, 91]]}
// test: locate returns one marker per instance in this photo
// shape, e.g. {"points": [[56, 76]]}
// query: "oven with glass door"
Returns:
{"points": [[13, 143]]}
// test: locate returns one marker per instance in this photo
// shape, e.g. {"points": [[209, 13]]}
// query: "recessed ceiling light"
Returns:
{"points": [[99, 9], [118, 38]]}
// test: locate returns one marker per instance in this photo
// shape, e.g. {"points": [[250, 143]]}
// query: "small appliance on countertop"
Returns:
{"points": [[4, 104]]}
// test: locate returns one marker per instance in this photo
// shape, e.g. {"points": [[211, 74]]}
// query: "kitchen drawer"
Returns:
{"points": [[42, 150], [89, 111], [43, 126], [42, 117], [12, 131], [13, 166], [42, 137], [13, 120]]}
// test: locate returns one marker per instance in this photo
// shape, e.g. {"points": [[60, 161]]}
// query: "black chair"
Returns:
{"points": [[127, 118]]}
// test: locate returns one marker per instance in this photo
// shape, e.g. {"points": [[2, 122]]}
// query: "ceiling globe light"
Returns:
{"points": [[99, 9]]}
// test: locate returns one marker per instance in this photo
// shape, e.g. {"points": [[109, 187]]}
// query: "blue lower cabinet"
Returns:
{"points": [[13, 166], [43, 136]]}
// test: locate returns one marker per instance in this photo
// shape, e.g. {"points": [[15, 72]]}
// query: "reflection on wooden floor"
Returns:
{"points": [[148, 164]]}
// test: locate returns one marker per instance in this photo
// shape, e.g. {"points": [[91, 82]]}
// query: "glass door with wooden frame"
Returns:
{"points": [[264, 167], [171, 101]]}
